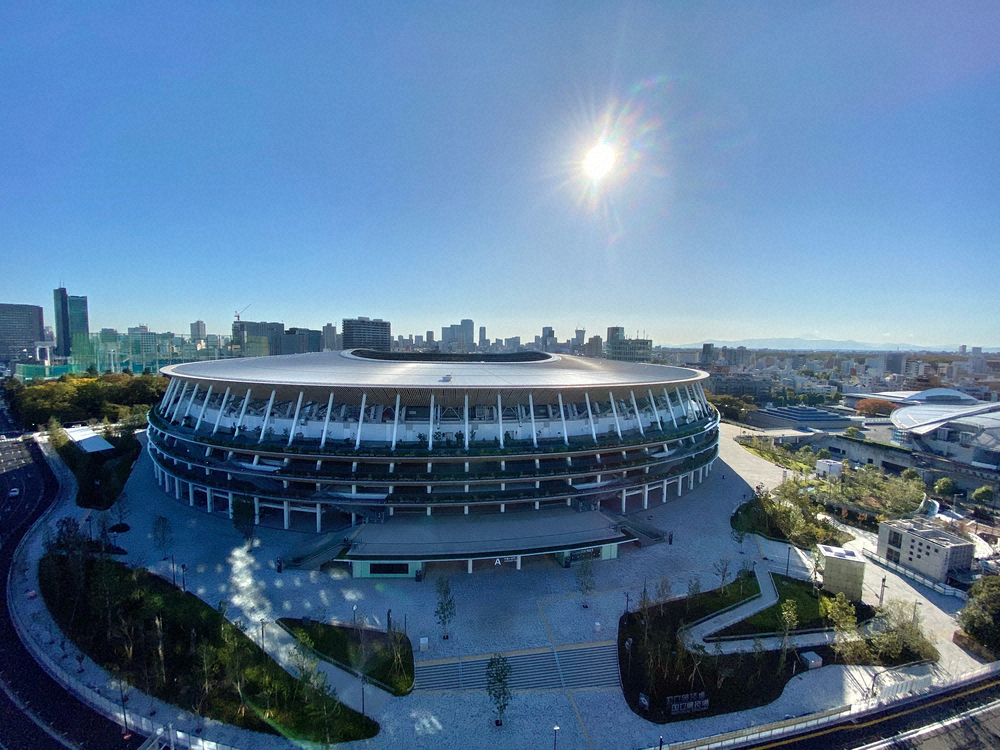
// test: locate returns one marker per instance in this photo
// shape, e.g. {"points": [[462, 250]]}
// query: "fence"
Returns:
{"points": [[935, 585], [802, 724]]}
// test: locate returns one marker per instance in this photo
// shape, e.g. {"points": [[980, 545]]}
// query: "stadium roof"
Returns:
{"points": [[926, 418]]}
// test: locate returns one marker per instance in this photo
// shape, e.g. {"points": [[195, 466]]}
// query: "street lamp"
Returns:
{"points": [[555, 736], [184, 568], [354, 614], [788, 560], [626, 602], [263, 622]]}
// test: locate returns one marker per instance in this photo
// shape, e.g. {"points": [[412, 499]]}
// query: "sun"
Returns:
{"points": [[599, 161]]}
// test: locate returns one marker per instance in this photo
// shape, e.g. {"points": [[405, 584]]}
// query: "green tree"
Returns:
{"points": [[980, 616], [823, 454], [498, 684], [852, 432], [244, 518], [945, 487], [585, 579], [910, 474], [445, 610], [983, 495]]}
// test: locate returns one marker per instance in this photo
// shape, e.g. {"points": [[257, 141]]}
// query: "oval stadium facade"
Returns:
{"points": [[396, 460]]}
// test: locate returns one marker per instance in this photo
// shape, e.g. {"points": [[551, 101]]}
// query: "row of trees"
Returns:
{"points": [[81, 398]]}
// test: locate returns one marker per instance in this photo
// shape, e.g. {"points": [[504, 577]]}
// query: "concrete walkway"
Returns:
{"points": [[768, 598]]}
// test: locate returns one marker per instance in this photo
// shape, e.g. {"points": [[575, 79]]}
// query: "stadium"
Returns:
{"points": [[397, 460]]}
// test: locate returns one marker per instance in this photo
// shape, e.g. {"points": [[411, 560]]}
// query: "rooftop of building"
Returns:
{"points": [[930, 396], [840, 553], [364, 369], [926, 418], [928, 531]]}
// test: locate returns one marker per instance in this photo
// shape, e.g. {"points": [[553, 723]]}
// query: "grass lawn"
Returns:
{"points": [[781, 457], [660, 668], [807, 607], [389, 663], [175, 647]]}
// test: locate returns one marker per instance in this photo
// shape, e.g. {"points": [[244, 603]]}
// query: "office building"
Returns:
{"points": [[364, 333], [331, 340], [301, 341], [72, 322], [925, 548], [21, 327], [483, 341], [629, 350], [198, 331]]}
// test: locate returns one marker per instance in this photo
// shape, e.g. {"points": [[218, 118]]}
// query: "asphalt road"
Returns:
{"points": [[24, 686]]}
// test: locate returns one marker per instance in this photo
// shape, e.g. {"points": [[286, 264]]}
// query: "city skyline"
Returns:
{"points": [[822, 171]]}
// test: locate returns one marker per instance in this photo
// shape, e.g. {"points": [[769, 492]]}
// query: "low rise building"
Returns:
{"points": [[925, 548], [843, 571]]}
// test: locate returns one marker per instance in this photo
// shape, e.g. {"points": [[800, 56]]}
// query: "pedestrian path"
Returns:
{"points": [[565, 668], [768, 597]]}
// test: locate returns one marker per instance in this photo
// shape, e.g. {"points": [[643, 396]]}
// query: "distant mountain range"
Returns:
{"points": [[826, 345]]}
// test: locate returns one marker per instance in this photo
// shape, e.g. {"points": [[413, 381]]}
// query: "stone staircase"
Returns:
{"points": [[567, 668]]}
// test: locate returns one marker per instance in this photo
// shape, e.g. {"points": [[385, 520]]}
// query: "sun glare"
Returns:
{"points": [[599, 161]]}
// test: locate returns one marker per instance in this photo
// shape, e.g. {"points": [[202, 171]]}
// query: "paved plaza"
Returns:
{"points": [[501, 609]]}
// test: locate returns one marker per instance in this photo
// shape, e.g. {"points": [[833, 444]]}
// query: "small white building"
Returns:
{"points": [[843, 571], [827, 467], [925, 548]]}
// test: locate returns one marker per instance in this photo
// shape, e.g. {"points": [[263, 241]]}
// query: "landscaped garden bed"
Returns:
{"points": [[386, 658], [175, 647]]}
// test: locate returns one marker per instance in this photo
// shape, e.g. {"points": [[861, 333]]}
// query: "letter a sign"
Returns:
{"points": [[497, 562]]}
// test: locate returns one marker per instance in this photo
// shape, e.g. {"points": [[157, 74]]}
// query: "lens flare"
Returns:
{"points": [[599, 161]]}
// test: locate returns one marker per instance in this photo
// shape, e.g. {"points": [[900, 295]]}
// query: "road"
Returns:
{"points": [[57, 719]]}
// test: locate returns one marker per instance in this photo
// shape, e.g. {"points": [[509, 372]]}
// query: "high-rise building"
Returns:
{"points": [[301, 341], [364, 333], [615, 333], [895, 363], [331, 341], [198, 330], [707, 354], [253, 338], [467, 335], [72, 322], [430, 338], [21, 327], [579, 336], [629, 350], [594, 347], [483, 341]]}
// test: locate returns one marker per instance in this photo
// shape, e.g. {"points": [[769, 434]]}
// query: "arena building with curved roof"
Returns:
{"points": [[433, 457]]}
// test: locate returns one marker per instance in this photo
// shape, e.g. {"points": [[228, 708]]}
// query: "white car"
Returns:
{"points": [[14, 492]]}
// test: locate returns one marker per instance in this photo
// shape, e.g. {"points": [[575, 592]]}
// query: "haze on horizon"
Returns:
{"points": [[778, 169]]}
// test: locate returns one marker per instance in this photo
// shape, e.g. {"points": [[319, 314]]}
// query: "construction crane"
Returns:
{"points": [[240, 312]]}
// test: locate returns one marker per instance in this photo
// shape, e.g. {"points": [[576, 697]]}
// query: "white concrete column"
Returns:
{"points": [[395, 423], [623, 501], [230, 497], [466, 426], [663, 494], [361, 419], [645, 497], [194, 395], [209, 499], [562, 416], [518, 559], [656, 411], [531, 408], [267, 417], [288, 513], [502, 507], [536, 505], [430, 426], [638, 415], [326, 421], [614, 411], [201, 414], [428, 510], [295, 419], [590, 416], [222, 410], [466, 511], [500, 419], [243, 411], [180, 400], [680, 485], [256, 510], [168, 394], [691, 480], [191, 494], [670, 407], [470, 564], [319, 518]]}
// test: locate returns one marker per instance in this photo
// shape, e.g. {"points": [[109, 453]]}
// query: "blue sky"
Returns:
{"points": [[829, 169]]}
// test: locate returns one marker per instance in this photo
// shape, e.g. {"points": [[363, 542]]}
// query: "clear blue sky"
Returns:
{"points": [[784, 168]]}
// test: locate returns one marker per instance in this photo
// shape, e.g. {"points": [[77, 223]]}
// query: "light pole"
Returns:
{"points": [[263, 622], [184, 568], [626, 602], [788, 560], [354, 614], [555, 736]]}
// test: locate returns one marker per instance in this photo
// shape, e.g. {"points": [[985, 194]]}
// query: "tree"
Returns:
{"points": [[823, 454], [980, 617], [945, 487], [585, 579], [498, 684], [663, 589], [852, 432], [445, 610], [163, 535], [847, 644], [244, 518], [983, 495], [645, 605], [694, 588], [721, 568], [910, 474], [873, 407], [738, 535]]}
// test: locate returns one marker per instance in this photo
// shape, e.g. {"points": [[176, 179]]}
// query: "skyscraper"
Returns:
{"points": [[20, 327], [72, 322], [331, 341], [615, 333], [483, 341], [198, 330]]}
